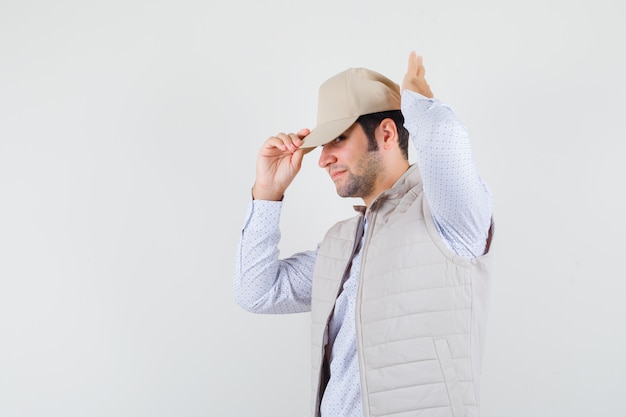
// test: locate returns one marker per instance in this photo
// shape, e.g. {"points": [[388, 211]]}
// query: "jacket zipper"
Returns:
{"points": [[357, 309]]}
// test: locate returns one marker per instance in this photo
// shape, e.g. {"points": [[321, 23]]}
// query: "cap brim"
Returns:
{"points": [[324, 133]]}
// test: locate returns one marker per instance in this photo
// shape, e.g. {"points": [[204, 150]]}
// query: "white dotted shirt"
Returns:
{"points": [[461, 206]]}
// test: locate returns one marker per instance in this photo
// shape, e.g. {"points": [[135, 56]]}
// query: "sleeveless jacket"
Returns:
{"points": [[420, 309]]}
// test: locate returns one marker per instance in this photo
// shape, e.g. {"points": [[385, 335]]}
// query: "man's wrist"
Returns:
{"points": [[259, 193]]}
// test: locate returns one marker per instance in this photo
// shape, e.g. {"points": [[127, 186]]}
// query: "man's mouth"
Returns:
{"points": [[334, 175]]}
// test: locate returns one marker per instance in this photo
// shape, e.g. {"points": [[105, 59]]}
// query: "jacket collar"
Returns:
{"points": [[408, 180]]}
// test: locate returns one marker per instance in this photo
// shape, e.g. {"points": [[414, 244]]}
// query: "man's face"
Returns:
{"points": [[353, 168]]}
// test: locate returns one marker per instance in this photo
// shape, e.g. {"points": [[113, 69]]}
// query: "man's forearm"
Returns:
{"points": [[263, 282]]}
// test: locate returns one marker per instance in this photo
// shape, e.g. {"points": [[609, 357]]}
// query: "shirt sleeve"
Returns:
{"points": [[263, 282], [460, 202]]}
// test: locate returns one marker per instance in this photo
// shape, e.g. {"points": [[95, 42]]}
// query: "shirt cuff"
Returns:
{"points": [[417, 109], [414, 95], [262, 213], [412, 101]]}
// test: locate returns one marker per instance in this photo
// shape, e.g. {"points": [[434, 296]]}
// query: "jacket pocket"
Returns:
{"points": [[450, 378]]}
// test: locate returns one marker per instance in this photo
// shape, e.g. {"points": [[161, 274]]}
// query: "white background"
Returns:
{"points": [[128, 137]]}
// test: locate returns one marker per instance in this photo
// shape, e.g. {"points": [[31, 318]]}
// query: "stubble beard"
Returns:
{"points": [[361, 181]]}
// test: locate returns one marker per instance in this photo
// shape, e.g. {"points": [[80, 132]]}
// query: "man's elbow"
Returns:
{"points": [[245, 302]]}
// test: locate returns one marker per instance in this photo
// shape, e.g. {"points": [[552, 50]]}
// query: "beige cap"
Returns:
{"points": [[346, 96]]}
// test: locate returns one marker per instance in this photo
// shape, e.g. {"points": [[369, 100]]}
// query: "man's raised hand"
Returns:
{"points": [[414, 79]]}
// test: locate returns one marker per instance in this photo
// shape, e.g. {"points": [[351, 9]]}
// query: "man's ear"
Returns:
{"points": [[388, 133]]}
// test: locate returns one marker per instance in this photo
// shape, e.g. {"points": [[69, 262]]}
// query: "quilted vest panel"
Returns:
{"points": [[420, 311]]}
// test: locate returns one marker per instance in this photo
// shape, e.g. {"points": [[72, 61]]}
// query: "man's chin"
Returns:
{"points": [[342, 193]]}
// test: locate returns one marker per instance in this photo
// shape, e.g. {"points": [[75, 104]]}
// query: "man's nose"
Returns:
{"points": [[326, 157]]}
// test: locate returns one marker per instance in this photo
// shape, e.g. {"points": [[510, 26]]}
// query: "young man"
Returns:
{"points": [[398, 294]]}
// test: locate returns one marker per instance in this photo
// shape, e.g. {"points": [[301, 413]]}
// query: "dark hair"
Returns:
{"points": [[369, 123]]}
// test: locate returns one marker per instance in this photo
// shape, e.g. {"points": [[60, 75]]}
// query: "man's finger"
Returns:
{"points": [[275, 142], [302, 133], [413, 64], [421, 71]]}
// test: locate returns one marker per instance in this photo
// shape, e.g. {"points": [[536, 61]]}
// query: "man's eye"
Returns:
{"points": [[339, 139]]}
